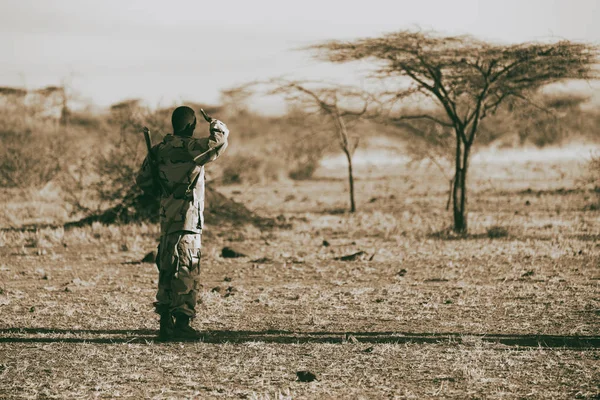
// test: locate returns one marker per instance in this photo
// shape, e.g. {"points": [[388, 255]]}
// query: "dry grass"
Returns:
{"points": [[259, 370], [421, 315]]}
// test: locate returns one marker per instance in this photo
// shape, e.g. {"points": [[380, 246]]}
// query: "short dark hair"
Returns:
{"points": [[183, 121]]}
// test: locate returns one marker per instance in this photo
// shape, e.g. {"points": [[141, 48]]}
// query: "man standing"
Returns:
{"points": [[179, 163]]}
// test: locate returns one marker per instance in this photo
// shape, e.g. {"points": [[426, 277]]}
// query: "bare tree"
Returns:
{"points": [[468, 78], [343, 105]]}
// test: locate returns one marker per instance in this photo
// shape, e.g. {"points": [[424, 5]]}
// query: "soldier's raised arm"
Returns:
{"points": [[208, 149]]}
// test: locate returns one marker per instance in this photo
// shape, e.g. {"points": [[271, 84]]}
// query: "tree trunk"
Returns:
{"points": [[350, 181], [459, 194]]}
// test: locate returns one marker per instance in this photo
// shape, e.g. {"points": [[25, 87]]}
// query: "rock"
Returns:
{"points": [[150, 257], [230, 291], [233, 252], [263, 260], [436, 280], [351, 257], [306, 376]]}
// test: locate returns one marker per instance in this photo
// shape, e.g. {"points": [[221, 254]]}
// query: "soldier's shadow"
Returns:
{"points": [[109, 336]]}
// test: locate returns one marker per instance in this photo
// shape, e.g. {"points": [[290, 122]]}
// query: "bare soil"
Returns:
{"points": [[510, 311]]}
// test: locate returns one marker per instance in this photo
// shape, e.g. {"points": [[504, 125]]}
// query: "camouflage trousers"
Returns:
{"points": [[178, 263]]}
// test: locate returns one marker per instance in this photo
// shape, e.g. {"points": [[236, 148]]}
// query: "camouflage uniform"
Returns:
{"points": [[181, 176]]}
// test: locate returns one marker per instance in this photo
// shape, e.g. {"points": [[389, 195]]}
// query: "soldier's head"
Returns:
{"points": [[184, 121]]}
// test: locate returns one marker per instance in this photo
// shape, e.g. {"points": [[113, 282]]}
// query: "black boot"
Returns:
{"points": [[183, 330], [166, 326]]}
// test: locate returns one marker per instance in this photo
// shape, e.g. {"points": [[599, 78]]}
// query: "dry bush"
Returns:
{"points": [[88, 121], [305, 141], [101, 177], [595, 171], [266, 149], [495, 232], [549, 119], [240, 168], [30, 158], [36, 143], [303, 159], [594, 178]]}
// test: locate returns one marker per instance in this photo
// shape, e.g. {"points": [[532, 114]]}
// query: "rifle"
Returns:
{"points": [[156, 186], [207, 117]]}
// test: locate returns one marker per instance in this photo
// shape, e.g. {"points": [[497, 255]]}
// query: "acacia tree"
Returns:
{"points": [[343, 105], [468, 78]]}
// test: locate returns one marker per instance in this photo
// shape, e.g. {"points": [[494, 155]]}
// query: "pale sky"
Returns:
{"points": [[169, 51]]}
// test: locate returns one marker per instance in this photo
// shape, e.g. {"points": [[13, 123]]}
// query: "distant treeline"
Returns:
{"points": [[99, 151]]}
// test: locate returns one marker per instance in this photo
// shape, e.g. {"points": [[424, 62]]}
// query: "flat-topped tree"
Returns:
{"points": [[468, 78]]}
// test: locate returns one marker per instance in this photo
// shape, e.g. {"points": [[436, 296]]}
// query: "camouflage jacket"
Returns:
{"points": [[181, 177]]}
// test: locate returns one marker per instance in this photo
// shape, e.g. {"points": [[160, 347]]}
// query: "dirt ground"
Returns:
{"points": [[510, 311]]}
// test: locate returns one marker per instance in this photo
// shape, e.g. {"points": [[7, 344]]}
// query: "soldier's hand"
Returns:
{"points": [[219, 126]]}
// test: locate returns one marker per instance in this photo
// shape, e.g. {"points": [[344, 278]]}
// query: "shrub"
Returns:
{"points": [[496, 232], [303, 156], [240, 168], [28, 159], [594, 178]]}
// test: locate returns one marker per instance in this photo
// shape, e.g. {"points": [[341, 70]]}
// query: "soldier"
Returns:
{"points": [[180, 161]]}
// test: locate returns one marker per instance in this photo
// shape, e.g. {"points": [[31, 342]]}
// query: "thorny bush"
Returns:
{"points": [[29, 159]]}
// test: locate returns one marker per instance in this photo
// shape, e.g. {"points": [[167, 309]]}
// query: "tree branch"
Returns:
{"points": [[424, 116]]}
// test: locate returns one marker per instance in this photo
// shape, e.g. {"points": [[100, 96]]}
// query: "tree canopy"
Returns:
{"points": [[470, 78]]}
